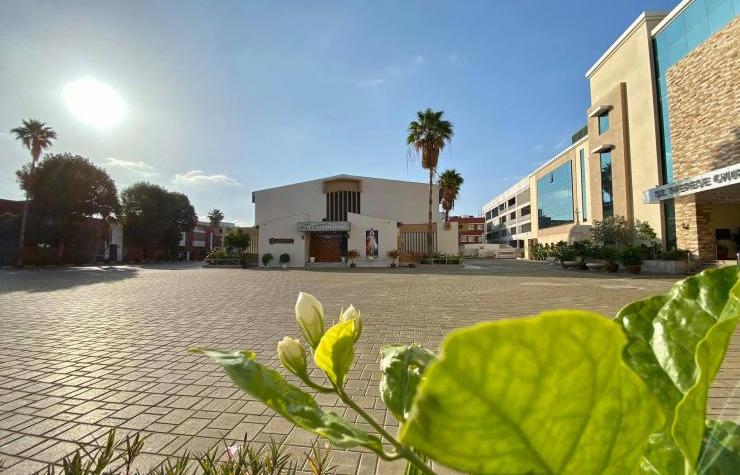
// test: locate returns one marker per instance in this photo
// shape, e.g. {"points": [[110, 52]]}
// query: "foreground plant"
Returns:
{"points": [[561, 392]]}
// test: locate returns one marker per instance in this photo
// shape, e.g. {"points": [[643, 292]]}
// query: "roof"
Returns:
{"points": [[341, 176]]}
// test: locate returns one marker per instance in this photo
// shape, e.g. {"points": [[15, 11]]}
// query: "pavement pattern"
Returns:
{"points": [[89, 349]]}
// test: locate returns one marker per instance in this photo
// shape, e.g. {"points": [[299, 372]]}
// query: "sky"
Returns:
{"points": [[218, 99]]}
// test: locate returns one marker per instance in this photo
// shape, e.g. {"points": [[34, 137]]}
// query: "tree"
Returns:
{"points": [[155, 218], [215, 216], [450, 182], [428, 135], [66, 189], [36, 136], [236, 239]]}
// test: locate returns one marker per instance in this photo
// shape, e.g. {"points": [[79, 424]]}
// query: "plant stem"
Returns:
{"points": [[402, 451], [317, 387]]}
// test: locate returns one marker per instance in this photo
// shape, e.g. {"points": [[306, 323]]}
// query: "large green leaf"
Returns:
{"points": [[297, 406], [336, 351], [677, 342], [546, 394], [720, 452], [402, 367]]}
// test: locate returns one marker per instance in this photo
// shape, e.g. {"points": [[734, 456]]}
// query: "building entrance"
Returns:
{"points": [[328, 247]]}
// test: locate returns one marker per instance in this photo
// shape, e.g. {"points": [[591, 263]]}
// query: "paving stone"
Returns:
{"points": [[124, 361]]}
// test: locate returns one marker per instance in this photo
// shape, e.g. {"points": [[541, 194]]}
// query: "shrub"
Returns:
{"points": [[565, 391], [673, 255], [393, 254], [266, 259], [284, 258], [631, 256]]}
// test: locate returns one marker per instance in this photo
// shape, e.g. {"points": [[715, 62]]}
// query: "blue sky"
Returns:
{"points": [[223, 98]]}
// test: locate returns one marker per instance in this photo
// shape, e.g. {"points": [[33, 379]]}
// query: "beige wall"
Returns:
{"points": [[387, 237], [624, 79]]}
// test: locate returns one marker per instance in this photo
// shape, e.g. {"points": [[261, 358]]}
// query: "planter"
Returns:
{"points": [[243, 264], [596, 265], [633, 268], [344, 260], [284, 266], [312, 260], [665, 267], [612, 267], [353, 265], [393, 265], [571, 264]]}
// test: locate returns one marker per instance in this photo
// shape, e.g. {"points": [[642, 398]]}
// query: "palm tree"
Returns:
{"points": [[428, 135], [36, 136], [215, 216], [450, 182]]}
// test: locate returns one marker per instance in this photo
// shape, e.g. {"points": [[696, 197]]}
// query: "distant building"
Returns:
{"points": [[470, 229], [321, 220]]}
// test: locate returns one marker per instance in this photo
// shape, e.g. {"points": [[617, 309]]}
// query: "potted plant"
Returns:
{"points": [[394, 255], [284, 259], [266, 259], [352, 255], [631, 258], [567, 256]]}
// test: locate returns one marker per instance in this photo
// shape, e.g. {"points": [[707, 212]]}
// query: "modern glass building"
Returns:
{"points": [[555, 197]]}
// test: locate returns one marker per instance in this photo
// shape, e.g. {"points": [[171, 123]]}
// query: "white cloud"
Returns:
{"points": [[198, 177], [140, 168], [372, 82]]}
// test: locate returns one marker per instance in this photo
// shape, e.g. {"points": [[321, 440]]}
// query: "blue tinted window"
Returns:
{"points": [[555, 197], [584, 205], [607, 198], [603, 123]]}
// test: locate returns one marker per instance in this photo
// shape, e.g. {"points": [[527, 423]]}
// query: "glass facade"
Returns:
{"points": [[555, 197], [603, 123], [607, 199], [584, 201], [690, 28]]}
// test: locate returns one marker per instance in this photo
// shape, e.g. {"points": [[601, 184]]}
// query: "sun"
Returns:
{"points": [[94, 102]]}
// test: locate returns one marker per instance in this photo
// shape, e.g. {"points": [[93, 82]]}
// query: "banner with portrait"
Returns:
{"points": [[372, 244]]}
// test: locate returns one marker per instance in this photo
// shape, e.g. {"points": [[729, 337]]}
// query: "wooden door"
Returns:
{"points": [[326, 247]]}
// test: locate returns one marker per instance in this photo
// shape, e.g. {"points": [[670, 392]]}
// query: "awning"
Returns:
{"points": [[314, 226]]}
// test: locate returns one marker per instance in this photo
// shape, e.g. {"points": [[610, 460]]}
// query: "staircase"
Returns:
{"points": [[505, 251], [697, 267]]}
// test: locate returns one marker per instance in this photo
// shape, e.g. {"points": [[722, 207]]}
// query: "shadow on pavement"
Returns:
{"points": [[51, 279]]}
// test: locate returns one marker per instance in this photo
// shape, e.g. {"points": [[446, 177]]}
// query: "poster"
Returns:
{"points": [[371, 243]]}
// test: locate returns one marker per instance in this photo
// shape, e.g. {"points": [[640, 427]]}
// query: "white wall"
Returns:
{"points": [[282, 229], [447, 239], [116, 230], [387, 232]]}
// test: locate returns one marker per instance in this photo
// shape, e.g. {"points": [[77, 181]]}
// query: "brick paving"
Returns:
{"points": [[86, 350]]}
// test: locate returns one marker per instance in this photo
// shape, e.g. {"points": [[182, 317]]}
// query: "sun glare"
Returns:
{"points": [[94, 103]]}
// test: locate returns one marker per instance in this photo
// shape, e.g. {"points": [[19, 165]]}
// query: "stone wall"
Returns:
{"points": [[704, 107]]}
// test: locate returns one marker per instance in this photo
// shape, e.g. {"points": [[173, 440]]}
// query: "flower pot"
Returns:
{"points": [[633, 268], [393, 265], [312, 259], [284, 265], [352, 264], [596, 265], [570, 264], [612, 267]]}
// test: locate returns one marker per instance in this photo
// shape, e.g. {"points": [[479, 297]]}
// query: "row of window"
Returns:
{"points": [[470, 227], [473, 239], [501, 233], [511, 203]]}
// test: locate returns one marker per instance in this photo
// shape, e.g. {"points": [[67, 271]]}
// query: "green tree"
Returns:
{"points": [[67, 189], [450, 182], [155, 218], [36, 136], [215, 217], [428, 135], [236, 239]]}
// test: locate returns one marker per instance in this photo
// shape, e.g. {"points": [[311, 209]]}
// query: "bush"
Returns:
{"points": [[594, 400], [266, 259], [284, 258], [631, 256], [674, 255]]}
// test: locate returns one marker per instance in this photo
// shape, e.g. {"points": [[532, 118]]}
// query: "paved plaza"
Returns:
{"points": [[86, 350]]}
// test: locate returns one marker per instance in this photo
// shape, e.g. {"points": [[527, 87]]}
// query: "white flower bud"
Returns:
{"points": [[309, 313], [352, 314], [292, 355]]}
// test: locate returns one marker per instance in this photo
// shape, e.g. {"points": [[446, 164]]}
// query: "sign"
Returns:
{"points": [[372, 243], [281, 241], [318, 226], [708, 181]]}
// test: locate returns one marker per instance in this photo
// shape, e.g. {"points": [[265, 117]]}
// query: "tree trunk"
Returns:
{"points": [[22, 233], [430, 238]]}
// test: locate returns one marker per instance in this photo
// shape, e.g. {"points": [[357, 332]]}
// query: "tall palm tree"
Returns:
{"points": [[450, 182], [36, 136], [215, 216], [428, 135]]}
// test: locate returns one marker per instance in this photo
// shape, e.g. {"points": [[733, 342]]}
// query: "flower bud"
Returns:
{"points": [[292, 355], [352, 314], [309, 313]]}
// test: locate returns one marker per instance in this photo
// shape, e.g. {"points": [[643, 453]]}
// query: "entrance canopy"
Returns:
{"points": [[323, 226]]}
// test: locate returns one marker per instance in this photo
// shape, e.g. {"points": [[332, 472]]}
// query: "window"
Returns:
{"points": [[607, 199], [603, 123], [526, 211], [480, 227], [339, 203], [512, 202], [555, 197], [502, 220], [525, 228], [513, 230], [512, 215], [461, 227], [471, 227], [584, 204]]}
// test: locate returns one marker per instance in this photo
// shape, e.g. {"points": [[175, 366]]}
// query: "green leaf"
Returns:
{"points": [[402, 367], [720, 452], [677, 342], [546, 394], [297, 406], [336, 351]]}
